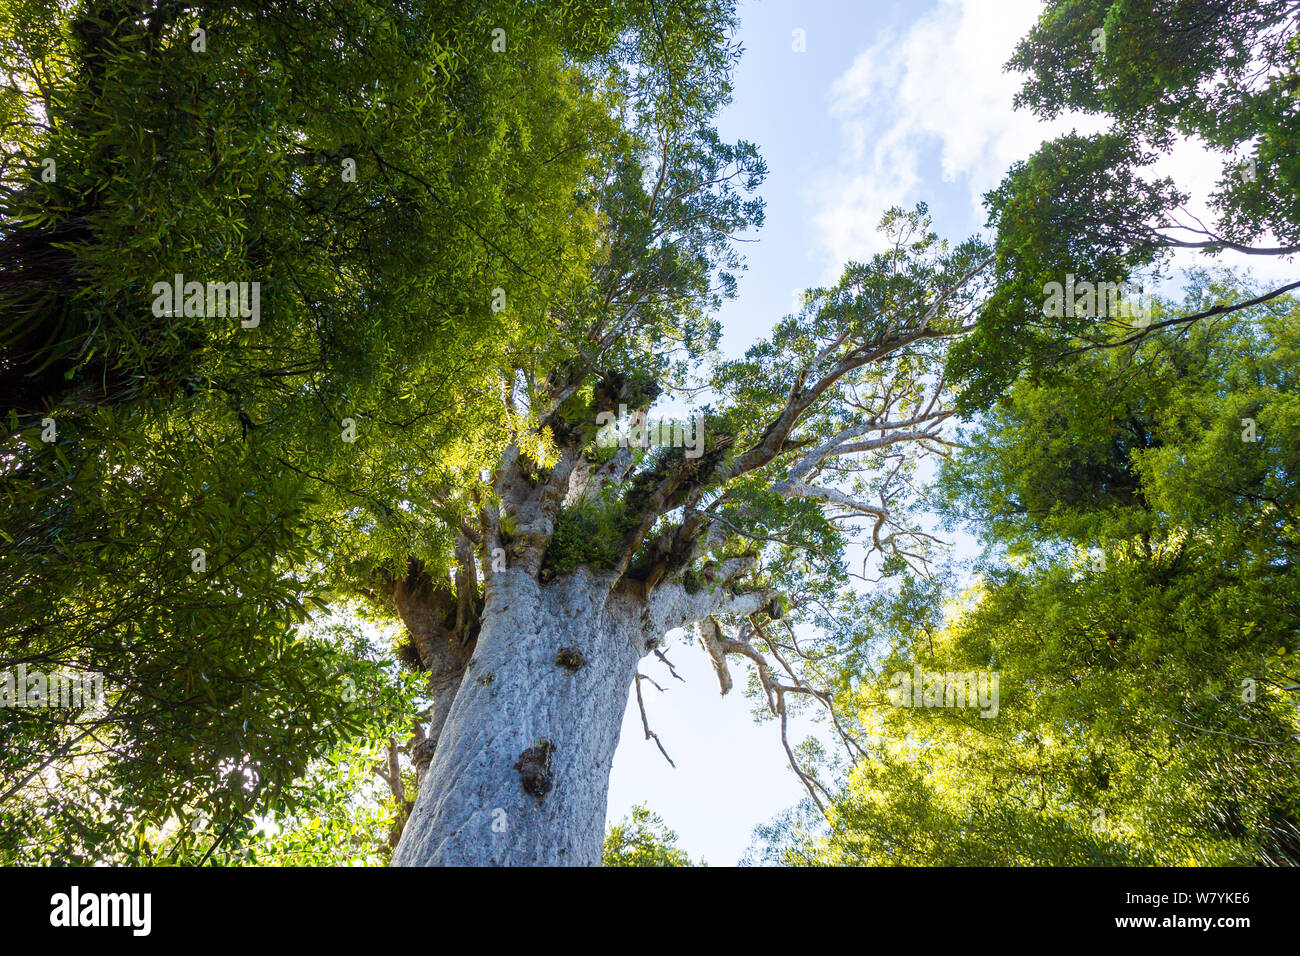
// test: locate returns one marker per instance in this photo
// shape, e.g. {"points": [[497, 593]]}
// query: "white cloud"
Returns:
{"points": [[940, 86], [938, 95]]}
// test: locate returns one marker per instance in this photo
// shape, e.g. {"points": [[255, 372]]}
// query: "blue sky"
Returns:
{"points": [[890, 103]]}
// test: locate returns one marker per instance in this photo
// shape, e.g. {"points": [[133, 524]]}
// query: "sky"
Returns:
{"points": [[890, 102]]}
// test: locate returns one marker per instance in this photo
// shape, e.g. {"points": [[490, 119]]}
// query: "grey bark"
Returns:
{"points": [[520, 776], [521, 772]]}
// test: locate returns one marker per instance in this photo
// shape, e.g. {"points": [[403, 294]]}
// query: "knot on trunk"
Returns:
{"points": [[570, 658], [422, 754], [534, 768]]}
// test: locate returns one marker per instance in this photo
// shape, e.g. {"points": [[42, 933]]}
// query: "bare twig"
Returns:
{"points": [[645, 723]]}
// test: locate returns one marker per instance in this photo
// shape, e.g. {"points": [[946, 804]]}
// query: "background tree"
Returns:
{"points": [[1138, 599], [643, 839], [1222, 76]]}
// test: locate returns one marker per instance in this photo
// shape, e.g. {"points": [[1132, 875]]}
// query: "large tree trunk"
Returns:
{"points": [[521, 769], [520, 765]]}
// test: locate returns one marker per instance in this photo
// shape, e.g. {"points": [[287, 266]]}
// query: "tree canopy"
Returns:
{"points": [[1214, 76], [1138, 602]]}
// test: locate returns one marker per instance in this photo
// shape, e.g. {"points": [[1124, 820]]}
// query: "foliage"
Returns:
{"points": [[643, 839], [587, 534], [1138, 602], [537, 234], [1220, 75], [159, 779]]}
